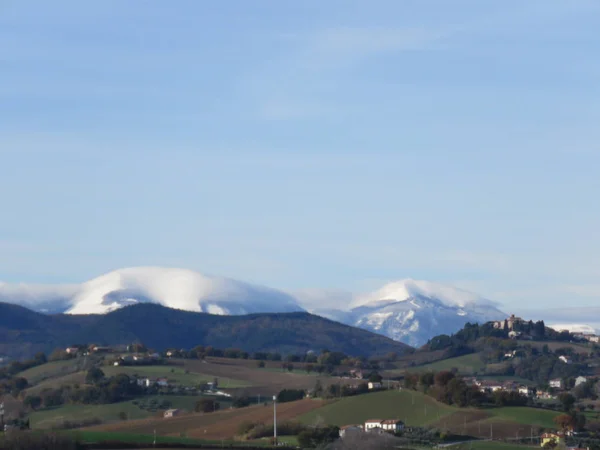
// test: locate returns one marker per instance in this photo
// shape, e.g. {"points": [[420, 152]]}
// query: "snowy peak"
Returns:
{"points": [[175, 288], [407, 289], [180, 289]]}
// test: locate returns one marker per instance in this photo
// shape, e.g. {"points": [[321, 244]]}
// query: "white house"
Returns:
{"points": [[527, 391], [72, 350], [580, 380], [350, 429], [373, 424], [556, 383], [392, 426], [374, 385], [171, 413], [144, 382], [162, 382], [565, 359]]}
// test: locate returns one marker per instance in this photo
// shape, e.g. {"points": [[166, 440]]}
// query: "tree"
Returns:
{"points": [[94, 375], [207, 405], [564, 422], [375, 378], [261, 364], [33, 401], [122, 415], [567, 401]]}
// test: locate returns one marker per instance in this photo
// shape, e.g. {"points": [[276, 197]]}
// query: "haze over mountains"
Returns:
{"points": [[408, 311]]}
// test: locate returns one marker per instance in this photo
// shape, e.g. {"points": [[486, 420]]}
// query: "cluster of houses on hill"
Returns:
{"points": [[374, 426], [491, 386]]}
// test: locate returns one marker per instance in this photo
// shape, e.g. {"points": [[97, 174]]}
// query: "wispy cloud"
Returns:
{"points": [[304, 82]]}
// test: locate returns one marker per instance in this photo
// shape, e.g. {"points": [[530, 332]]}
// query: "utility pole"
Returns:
{"points": [[154, 442], [2, 416], [275, 419]]}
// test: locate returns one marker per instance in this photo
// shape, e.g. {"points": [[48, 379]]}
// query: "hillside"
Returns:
{"points": [[24, 332]]}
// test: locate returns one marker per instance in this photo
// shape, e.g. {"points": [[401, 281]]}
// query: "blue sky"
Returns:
{"points": [[337, 144]]}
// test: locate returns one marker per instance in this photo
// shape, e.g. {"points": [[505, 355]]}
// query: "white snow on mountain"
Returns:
{"points": [[410, 311], [175, 288], [574, 328]]}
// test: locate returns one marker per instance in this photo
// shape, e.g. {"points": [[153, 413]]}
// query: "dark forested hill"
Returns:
{"points": [[24, 332]]}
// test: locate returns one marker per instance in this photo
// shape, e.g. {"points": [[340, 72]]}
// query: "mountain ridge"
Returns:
{"points": [[24, 332]]}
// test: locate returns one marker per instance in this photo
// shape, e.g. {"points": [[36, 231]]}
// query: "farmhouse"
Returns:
{"points": [[349, 429], [373, 424], [162, 382], [171, 413], [72, 350], [374, 385], [557, 383], [527, 391], [552, 438], [580, 380], [490, 386], [390, 425]]}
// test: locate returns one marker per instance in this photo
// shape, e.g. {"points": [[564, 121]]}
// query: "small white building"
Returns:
{"points": [[526, 391], [580, 380], [392, 426], [144, 382], [72, 350], [374, 385], [171, 413], [565, 359], [557, 383], [373, 424]]}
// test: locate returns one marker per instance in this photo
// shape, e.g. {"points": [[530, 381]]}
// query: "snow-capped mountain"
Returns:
{"points": [[175, 288], [408, 311], [413, 311]]}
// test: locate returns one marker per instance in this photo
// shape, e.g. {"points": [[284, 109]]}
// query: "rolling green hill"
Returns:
{"points": [[413, 408]]}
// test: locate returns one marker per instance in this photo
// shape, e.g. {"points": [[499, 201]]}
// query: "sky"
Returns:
{"points": [[331, 144]]}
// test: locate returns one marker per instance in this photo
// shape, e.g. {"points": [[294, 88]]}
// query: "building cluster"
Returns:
{"points": [[593, 338], [374, 426]]}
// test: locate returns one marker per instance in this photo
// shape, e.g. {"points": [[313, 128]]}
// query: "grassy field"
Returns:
{"points": [[56, 382], [100, 436], [50, 370], [526, 416], [381, 405], [466, 364], [54, 417], [175, 375], [491, 445], [258, 381], [220, 425]]}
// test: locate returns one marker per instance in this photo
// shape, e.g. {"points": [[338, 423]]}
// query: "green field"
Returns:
{"points": [[50, 370], [466, 364], [55, 417], [489, 445], [381, 405], [101, 436], [175, 375], [526, 416]]}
